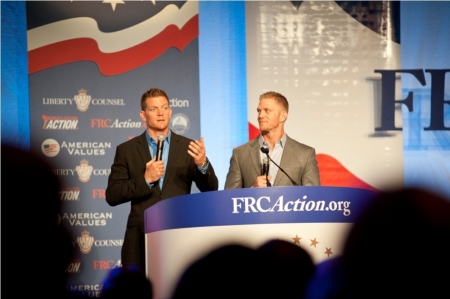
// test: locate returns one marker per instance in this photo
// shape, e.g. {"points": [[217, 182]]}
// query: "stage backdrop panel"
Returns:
{"points": [[89, 64], [426, 137], [322, 55]]}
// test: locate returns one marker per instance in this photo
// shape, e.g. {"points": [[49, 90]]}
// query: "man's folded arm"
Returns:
{"points": [[121, 188]]}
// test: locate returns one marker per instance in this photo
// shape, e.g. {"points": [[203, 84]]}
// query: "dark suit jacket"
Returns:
{"points": [[126, 183], [298, 160]]}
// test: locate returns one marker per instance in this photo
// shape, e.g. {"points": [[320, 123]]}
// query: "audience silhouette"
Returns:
{"points": [[287, 267], [29, 183], [127, 282], [398, 248], [278, 269]]}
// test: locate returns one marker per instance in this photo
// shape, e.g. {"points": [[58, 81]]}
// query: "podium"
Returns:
{"points": [[180, 230]]}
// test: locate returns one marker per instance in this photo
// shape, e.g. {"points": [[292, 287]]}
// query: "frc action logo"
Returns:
{"points": [[108, 123], [106, 264]]}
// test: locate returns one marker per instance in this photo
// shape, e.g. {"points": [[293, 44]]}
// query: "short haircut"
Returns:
{"points": [[281, 99], [152, 93]]}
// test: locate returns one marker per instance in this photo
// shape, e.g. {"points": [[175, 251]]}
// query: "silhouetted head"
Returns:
{"points": [[399, 246], [31, 192], [231, 271], [127, 282], [286, 264]]}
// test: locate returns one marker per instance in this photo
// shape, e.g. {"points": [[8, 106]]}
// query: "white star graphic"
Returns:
{"points": [[113, 3]]}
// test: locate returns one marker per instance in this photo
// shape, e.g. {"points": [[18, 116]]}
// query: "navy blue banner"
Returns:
{"points": [[306, 204], [89, 64]]}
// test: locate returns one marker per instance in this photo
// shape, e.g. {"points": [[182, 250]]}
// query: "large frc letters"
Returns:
{"points": [[388, 97], [437, 100]]}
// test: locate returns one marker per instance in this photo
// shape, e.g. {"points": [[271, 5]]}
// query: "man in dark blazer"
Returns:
{"points": [[296, 159], [137, 177]]}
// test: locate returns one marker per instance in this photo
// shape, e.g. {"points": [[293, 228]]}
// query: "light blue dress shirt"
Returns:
{"points": [[275, 154], [153, 146]]}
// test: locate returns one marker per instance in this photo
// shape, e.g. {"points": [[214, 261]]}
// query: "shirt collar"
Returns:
{"points": [[262, 142], [151, 141]]}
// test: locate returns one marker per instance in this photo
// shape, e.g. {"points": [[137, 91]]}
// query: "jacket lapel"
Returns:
{"points": [[287, 156], [143, 149], [255, 155]]}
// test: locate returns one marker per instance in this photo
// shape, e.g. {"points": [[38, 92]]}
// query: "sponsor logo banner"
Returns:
{"points": [[60, 122], [85, 290], [87, 218], [86, 242], [106, 264], [69, 194]]}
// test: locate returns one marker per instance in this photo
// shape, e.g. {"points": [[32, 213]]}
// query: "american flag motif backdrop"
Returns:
{"points": [[89, 64]]}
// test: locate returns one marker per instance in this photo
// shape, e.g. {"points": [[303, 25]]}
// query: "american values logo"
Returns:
{"points": [[83, 148], [60, 122], [50, 147], [87, 219], [85, 290]]}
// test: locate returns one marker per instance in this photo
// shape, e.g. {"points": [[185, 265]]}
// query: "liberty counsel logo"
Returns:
{"points": [[82, 100], [50, 147], [85, 242], [84, 171]]}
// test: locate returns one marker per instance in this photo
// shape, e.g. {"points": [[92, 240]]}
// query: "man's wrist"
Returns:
{"points": [[204, 164]]}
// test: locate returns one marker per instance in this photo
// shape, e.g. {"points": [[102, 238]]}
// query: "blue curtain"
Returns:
{"points": [[15, 96]]}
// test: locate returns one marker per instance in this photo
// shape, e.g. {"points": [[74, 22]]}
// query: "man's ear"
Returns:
{"points": [[284, 116], [142, 115]]}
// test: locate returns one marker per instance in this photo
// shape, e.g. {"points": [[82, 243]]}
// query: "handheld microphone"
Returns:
{"points": [[265, 166], [159, 148], [265, 170], [265, 150]]}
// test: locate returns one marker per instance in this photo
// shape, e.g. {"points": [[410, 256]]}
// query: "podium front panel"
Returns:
{"points": [[182, 229]]}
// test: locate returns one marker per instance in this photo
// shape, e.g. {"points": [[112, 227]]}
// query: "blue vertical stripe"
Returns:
{"points": [[223, 84], [14, 65]]}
